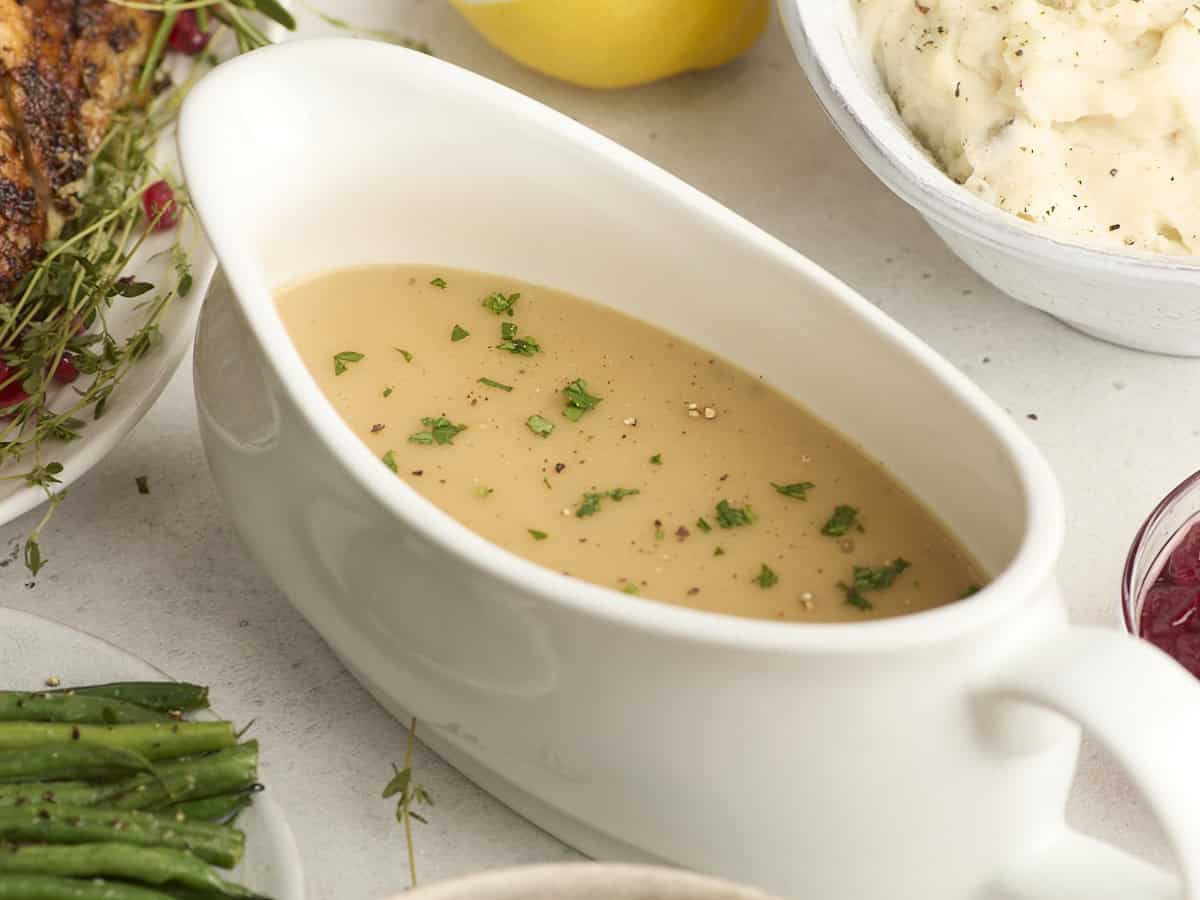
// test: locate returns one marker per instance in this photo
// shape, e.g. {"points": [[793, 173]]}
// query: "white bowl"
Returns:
{"points": [[1137, 300], [760, 751], [584, 881]]}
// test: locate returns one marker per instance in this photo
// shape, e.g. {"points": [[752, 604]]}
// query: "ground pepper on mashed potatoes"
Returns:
{"points": [[1080, 115]]}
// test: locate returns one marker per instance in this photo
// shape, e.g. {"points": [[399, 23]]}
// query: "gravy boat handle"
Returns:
{"points": [[1145, 709]]}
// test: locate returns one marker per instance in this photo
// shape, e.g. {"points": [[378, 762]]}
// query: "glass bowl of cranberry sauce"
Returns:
{"points": [[1160, 590]]}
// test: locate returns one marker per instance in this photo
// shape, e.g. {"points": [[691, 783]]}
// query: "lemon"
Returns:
{"points": [[618, 43]]}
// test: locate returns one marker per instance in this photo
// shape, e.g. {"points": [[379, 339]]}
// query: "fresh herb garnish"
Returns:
{"points": [[458, 333], [411, 793], [484, 491], [500, 304], [733, 516], [971, 591], [702, 524], [579, 400], [720, 551], [439, 283], [656, 459], [390, 461], [143, 485], [629, 588], [408, 357], [765, 577], [843, 519], [342, 360], [439, 431], [537, 535], [871, 578], [387, 392], [538, 425], [520, 346], [797, 490], [495, 384], [591, 501]]}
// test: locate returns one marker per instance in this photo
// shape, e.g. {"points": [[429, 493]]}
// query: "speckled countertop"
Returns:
{"points": [[165, 577]]}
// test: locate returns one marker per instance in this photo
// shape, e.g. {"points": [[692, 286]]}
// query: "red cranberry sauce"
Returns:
{"points": [[1171, 611]]}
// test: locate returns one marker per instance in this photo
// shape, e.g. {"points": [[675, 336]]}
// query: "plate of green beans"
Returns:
{"points": [[117, 783]]}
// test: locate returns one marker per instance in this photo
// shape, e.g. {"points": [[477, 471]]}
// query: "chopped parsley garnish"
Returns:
{"points": [[541, 426], [765, 577], [720, 551], [871, 578], [484, 491], [407, 356], [630, 588], [458, 333], [521, 346], [579, 400], [798, 489], [734, 516], [439, 283], [495, 384], [387, 392], [591, 501], [439, 431], [341, 360], [656, 459], [143, 485], [390, 461], [500, 304], [843, 519], [537, 535], [702, 524]]}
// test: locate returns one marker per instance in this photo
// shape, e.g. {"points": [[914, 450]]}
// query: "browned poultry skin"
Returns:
{"points": [[65, 67]]}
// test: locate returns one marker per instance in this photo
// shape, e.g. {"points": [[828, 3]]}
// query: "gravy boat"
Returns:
{"points": [[924, 756]]}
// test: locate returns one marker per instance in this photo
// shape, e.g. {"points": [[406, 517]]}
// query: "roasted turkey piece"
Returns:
{"points": [[65, 67]]}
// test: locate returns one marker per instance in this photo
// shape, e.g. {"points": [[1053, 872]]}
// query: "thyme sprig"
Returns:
{"points": [[411, 793], [237, 15]]}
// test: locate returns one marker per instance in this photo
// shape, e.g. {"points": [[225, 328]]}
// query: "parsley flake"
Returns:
{"points": [[458, 333], [538, 425], [579, 400], [797, 490], [537, 535], [591, 501], [495, 384], [342, 360], [843, 519], [871, 578], [439, 283], [702, 524], [143, 484], [500, 304], [656, 459], [439, 431], [387, 392], [390, 461], [519, 346], [733, 516], [408, 357], [765, 577], [630, 588]]}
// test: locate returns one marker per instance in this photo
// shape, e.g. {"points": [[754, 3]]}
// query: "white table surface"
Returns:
{"points": [[165, 577]]}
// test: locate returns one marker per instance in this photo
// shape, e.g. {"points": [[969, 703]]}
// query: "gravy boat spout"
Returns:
{"points": [[764, 752]]}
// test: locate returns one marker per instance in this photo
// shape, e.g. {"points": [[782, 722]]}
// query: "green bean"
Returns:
{"points": [[47, 887], [55, 824], [225, 808], [55, 761], [223, 772], [165, 696], [144, 865], [17, 706], [154, 740]]}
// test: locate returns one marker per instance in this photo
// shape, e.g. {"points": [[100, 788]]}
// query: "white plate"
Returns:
{"points": [[33, 649]]}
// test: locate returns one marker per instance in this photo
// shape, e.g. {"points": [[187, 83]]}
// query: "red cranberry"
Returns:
{"points": [[1168, 610], [186, 35], [12, 396], [1183, 567], [65, 372], [158, 202]]}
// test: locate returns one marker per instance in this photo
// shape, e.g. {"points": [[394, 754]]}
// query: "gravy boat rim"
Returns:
{"points": [[1029, 569]]}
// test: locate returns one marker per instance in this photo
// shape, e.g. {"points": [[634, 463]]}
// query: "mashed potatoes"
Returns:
{"points": [[1081, 115]]}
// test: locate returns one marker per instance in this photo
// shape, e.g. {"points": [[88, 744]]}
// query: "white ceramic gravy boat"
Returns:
{"points": [[909, 758]]}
